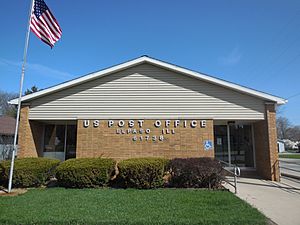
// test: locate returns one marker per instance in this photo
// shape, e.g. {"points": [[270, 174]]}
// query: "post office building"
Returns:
{"points": [[149, 108]]}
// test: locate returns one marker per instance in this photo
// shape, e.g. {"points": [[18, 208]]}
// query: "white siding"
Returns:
{"points": [[148, 92]]}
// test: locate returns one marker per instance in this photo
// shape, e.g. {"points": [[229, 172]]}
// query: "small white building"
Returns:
{"points": [[280, 146]]}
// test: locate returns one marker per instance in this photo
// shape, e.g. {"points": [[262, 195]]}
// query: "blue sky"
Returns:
{"points": [[255, 43]]}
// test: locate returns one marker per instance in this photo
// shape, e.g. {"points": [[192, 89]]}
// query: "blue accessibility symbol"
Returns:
{"points": [[208, 145]]}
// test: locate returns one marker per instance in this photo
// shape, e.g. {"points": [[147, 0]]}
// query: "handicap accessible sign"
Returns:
{"points": [[208, 145]]}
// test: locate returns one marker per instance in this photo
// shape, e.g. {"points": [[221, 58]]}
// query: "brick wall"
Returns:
{"points": [[30, 136], [104, 140], [186, 142], [266, 145]]}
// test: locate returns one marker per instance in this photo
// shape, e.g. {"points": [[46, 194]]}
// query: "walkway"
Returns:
{"points": [[278, 201]]}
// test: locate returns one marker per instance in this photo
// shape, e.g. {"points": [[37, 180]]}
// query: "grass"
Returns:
{"points": [[119, 206], [290, 156]]}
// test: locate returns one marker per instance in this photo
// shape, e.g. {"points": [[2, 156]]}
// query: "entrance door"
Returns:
{"points": [[221, 143], [234, 144], [241, 145]]}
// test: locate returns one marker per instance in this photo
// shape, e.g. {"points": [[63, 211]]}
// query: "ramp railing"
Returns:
{"points": [[234, 171]]}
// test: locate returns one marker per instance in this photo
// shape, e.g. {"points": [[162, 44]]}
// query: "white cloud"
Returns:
{"points": [[5, 62], [44, 70], [232, 58], [36, 68]]}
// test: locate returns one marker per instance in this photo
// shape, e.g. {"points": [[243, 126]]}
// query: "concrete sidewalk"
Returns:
{"points": [[278, 201]]}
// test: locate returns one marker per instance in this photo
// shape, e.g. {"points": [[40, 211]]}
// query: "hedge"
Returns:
{"points": [[142, 173], [85, 172], [28, 172], [195, 173]]}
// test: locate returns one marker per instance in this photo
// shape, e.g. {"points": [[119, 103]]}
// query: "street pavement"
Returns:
{"points": [[290, 167], [279, 201]]}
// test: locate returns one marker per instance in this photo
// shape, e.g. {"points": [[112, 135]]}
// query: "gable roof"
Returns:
{"points": [[155, 62]]}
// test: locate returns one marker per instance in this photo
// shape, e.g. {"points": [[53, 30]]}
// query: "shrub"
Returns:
{"points": [[195, 173], [28, 172], [142, 173], [85, 172]]}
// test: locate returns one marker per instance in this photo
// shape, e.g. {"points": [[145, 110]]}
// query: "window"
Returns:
{"points": [[60, 141]]}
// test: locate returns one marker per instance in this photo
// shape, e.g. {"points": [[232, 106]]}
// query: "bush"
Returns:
{"points": [[28, 172], [142, 173], [195, 173], [86, 172]]}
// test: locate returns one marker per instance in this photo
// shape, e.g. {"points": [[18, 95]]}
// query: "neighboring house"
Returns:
{"points": [[149, 108], [280, 145], [7, 130]]}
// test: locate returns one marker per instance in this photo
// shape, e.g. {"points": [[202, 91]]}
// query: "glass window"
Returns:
{"points": [[54, 138], [49, 139], [60, 138], [71, 141], [60, 141]]}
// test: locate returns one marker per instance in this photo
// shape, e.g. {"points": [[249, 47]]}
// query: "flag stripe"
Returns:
{"points": [[44, 31], [33, 29], [48, 43], [40, 28], [40, 37], [47, 28], [50, 25], [53, 21]]}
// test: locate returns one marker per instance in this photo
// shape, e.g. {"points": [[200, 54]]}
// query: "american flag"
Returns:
{"points": [[44, 24]]}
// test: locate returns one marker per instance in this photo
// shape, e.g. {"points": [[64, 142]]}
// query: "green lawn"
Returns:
{"points": [[290, 156], [118, 206]]}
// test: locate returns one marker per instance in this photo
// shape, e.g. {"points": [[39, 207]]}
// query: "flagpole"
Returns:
{"points": [[19, 100]]}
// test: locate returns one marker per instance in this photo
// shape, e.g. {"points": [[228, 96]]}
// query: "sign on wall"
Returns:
{"points": [[208, 145], [156, 131]]}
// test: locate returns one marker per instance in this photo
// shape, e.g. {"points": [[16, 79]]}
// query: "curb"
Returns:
{"points": [[290, 175]]}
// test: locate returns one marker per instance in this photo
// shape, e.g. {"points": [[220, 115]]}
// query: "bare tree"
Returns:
{"points": [[293, 133], [283, 125], [286, 130], [6, 108]]}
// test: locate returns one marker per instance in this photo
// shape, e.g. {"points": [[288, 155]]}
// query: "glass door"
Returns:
{"points": [[241, 145], [234, 144], [221, 143]]}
